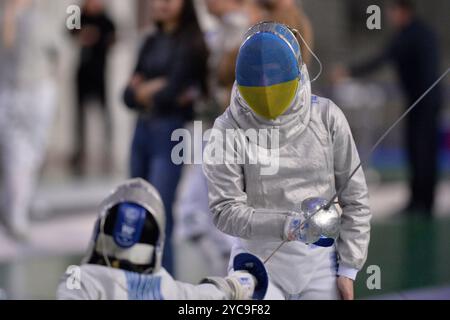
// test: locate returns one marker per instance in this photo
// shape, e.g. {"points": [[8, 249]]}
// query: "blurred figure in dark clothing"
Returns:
{"points": [[414, 53], [169, 76], [95, 39]]}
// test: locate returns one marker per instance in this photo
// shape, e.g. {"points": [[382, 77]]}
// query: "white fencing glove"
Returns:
{"points": [[249, 280], [242, 284]]}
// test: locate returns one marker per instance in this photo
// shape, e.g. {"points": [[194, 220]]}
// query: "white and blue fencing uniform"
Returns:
{"points": [[123, 261], [103, 283]]}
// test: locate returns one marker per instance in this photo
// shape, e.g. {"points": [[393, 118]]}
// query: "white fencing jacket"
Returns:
{"points": [[316, 154], [95, 282]]}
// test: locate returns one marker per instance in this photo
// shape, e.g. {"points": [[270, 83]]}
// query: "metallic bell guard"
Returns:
{"points": [[321, 223]]}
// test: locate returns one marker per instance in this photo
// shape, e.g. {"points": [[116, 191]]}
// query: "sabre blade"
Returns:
{"points": [[383, 136], [375, 146]]}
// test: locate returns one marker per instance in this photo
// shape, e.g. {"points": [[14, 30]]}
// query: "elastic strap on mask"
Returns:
{"points": [[297, 33]]}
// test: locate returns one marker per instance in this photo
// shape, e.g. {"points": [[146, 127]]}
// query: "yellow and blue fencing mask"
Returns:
{"points": [[268, 69]]}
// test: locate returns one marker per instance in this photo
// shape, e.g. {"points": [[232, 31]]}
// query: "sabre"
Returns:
{"points": [[344, 185]]}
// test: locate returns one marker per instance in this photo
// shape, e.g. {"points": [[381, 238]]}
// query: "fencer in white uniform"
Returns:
{"points": [[28, 101], [308, 152], [123, 261]]}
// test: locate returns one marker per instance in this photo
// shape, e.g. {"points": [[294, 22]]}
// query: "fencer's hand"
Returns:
{"points": [[242, 284], [345, 287], [292, 228]]}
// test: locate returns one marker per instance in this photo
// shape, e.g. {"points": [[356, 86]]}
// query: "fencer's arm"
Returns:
{"points": [[353, 241], [85, 291], [239, 285], [203, 291], [228, 199]]}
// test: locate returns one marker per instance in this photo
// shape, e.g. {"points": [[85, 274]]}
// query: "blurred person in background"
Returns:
{"points": [[194, 217], [256, 10], [235, 18], [414, 53], [290, 13], [95, 39], [27, 105], [233, 22], [169, 76], [194, 222]]}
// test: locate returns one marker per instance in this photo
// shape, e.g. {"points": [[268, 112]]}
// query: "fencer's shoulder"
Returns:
{"points": [[93, 268], [98, 273], [323, 104], [86, 282], [225, 121], [168, 285], [327, 110], [162, 272]]}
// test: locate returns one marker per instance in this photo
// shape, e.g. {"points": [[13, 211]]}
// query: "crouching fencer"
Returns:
{"points": [[124, 258], [301, 154]]}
